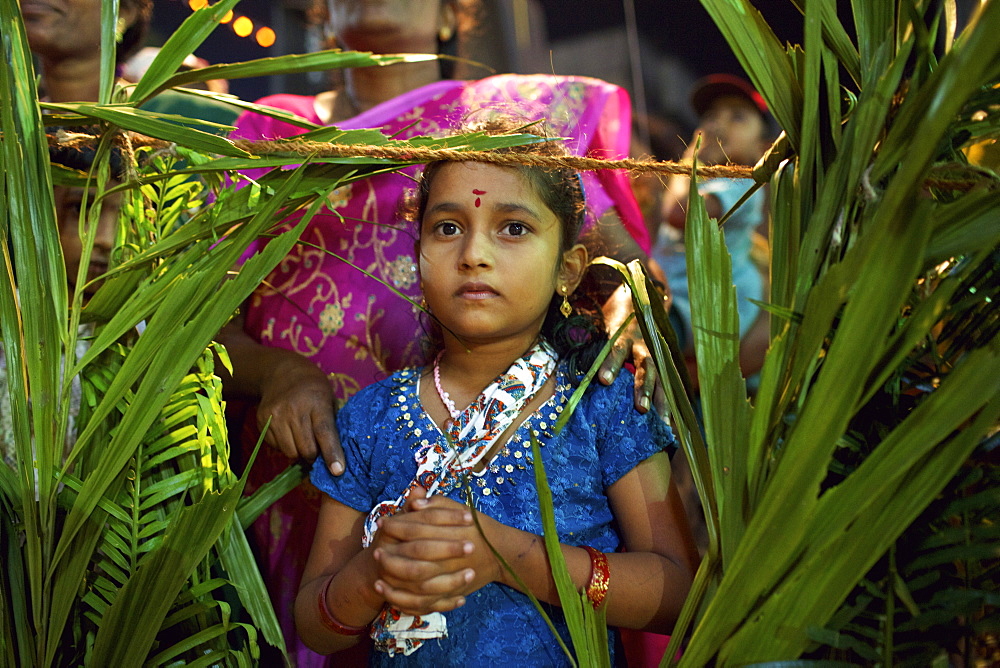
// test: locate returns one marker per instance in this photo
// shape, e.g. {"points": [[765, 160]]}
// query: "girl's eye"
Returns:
{"points": [[515, 229], [447, 228]]}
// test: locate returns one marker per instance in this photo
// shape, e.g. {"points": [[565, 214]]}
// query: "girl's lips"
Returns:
{"points": [[476, 291]]}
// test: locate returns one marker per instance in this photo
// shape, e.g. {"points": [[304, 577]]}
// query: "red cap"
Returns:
{"points": [[714, 86]]}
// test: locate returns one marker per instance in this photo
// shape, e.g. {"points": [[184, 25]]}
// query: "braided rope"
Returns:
{"points": [[420, 155]]}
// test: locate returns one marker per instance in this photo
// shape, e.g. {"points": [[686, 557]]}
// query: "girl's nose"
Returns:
{"points": [[475, 251]]}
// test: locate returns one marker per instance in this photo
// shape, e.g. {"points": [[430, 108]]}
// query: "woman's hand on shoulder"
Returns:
{"points": [[290, 390], [298, 400], [649, 391]]}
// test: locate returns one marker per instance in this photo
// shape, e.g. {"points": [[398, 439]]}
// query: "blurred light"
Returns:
{"points": [[265, 37], [243, 26], [195, 5], [228, 17]]}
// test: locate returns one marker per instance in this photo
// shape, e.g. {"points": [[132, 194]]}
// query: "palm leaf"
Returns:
{"points": [[715, 321], [583, 629], [185, 40], [851, 320], [108, 53], [161, 126], [319, 61], [148, 595]]}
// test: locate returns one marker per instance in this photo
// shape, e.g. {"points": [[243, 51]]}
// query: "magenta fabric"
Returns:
{"points": [[353, 326]]}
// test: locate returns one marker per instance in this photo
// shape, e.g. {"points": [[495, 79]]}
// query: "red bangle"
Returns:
{"points": [[600, 576], [329, 621]]}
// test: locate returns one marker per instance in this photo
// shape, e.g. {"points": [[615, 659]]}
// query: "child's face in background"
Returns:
{"points": [[733, 131], [68, 203], [490, 260]]}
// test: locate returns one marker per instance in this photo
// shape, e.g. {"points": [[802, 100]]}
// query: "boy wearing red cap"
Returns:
{"points": [[735, 128]]}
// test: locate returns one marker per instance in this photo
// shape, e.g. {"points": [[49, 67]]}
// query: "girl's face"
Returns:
{"points": [[489, 254], [390, 26]]}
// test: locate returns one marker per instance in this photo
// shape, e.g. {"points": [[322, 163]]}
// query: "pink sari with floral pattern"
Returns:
{"points": [[354, 327]]}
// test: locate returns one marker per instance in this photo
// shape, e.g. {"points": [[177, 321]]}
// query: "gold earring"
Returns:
{"points": [[445, 33], [566, 308]]}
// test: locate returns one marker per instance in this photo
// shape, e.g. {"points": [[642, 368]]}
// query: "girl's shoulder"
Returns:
{"points": [[396, 391], [612, 407], [601, 396]]}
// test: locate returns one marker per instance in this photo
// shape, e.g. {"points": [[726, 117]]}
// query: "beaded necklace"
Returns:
{"points": [[445, 398]]}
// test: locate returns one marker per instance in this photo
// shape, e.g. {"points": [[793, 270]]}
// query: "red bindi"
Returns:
{"points": [[477, 193]]}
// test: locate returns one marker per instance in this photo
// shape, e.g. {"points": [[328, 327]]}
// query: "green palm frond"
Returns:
{"points": [[887, 310], [935, 594], [135, 534], [181, 459]]}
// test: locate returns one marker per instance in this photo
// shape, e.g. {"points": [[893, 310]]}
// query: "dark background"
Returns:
{"points": [[675, 42], [679, 28]]}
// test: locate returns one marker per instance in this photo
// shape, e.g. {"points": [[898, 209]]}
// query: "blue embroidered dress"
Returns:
{"points": [[383, 426]]}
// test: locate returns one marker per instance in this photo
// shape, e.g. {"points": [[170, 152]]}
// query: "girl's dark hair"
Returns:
{"points": [[579, 338], [82, 159]]}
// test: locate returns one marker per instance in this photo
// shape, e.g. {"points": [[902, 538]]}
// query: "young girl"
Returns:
{"points": [[396, 554]]}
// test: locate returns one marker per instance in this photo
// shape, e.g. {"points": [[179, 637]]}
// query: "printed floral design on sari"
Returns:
{"points": [[403, 271], [331, 319], [339, 197]]}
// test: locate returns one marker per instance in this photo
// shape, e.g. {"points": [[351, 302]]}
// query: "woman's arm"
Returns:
{"points": [[292, 391], [609, 237]]}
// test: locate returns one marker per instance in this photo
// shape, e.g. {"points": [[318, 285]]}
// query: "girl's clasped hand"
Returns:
{"points": [[431, 555]]}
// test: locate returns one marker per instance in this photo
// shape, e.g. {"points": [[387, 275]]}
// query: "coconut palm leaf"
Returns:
{"points": [[587, 627], [665, 352], [851, 298], [15, 625], [724, 403], [147, 596], [32, 346], [162, 126], [253, 505], [319, 61], [109, 17], [185, 40], [183, 455]]}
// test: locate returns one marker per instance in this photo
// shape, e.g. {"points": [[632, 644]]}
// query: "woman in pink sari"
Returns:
{"points": [[318, 330]]}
